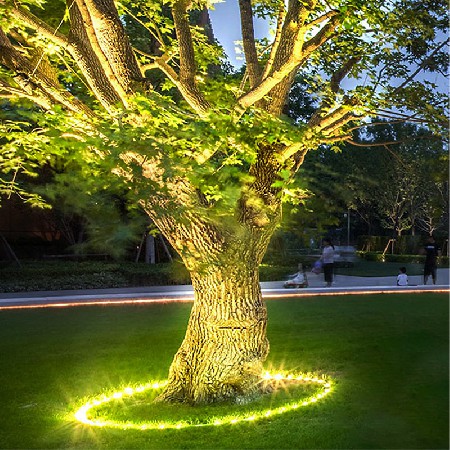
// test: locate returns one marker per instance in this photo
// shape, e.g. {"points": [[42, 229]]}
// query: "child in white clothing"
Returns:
{"points": [[298, 280], [402, 278]]}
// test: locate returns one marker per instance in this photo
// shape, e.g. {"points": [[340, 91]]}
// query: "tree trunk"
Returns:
{"points": [[225, 346]]}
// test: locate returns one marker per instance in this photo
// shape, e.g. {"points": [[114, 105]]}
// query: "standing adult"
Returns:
{"points": [[432, 251], [327, 259]]}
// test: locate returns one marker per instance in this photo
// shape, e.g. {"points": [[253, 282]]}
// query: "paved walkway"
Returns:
{"points": [[273, 289]]}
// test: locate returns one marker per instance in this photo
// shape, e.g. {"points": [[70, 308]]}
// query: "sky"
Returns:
{"points": [[226, 24]]}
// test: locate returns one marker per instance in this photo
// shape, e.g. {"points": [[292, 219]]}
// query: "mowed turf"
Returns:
{"points": [[388, 356]]}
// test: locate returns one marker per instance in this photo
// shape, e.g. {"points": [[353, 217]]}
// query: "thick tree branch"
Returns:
{"points": [[331, 120], [289, 50], [248, 38], [187, 84], [91, 67], [40, 26], [37, 79], [276, 42], [300, 52], [340, 74], [325, 33], [114, 41], [294, 56], [103, 35], [262, 89], [328, 15], [75, 45], [298, 148], [323, 121], [333, 129]]}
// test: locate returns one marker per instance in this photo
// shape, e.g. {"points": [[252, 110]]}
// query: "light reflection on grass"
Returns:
{"points": [[133, 407]]}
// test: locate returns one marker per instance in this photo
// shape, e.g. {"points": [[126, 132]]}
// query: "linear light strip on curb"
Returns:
{"points": [[266, 295], [82, 414]]}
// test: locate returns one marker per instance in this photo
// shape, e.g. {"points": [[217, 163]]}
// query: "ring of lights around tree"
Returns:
{"points": [[324, 387]]}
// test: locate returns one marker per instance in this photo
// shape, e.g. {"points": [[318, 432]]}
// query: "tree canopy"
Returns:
{"points": [[76, 60]]}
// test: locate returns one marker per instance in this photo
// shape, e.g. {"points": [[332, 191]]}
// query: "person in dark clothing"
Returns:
{"points": [[432, 251], [327, 260]]}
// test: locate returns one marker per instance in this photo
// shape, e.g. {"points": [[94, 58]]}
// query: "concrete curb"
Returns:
{"points": [[154, 294]]}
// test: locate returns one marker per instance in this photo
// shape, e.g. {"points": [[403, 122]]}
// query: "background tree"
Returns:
{"points": [[413, 163], [388, 176], [209, 158]]}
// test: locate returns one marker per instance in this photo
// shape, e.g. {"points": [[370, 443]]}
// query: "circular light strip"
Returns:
{"points": [[82, 414]]}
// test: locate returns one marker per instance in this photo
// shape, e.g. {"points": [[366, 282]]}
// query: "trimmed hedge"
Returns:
{"points": [[403, 245], [418, 259], [58, 275], [67, 275]]}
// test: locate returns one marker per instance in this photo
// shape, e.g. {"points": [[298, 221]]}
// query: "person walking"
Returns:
{"points": [[327, 260], [432, 251]]}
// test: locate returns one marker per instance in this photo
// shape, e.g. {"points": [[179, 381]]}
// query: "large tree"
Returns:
{"points": [[209, 156]]}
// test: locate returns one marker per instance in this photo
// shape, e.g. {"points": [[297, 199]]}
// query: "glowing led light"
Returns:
{"points": [[82, 414], [43, 303]]}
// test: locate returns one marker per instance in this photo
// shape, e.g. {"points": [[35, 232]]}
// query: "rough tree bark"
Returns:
{"points": [[225, 346]]}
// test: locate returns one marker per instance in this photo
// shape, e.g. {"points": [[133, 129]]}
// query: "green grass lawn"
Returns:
{"points": [[388, 356]]}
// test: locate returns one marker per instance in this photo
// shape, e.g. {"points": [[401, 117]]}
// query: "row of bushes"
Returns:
{"points": [[403, 245], [52, 275], [418, 259], [58, 275]]}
